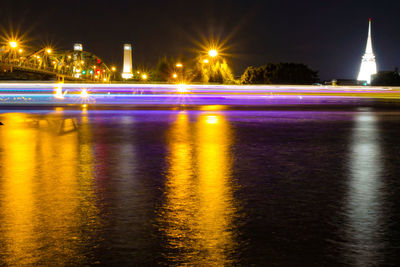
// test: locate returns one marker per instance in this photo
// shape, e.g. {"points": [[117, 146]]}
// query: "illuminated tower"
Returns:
{"points": [[127, 71], [368, 63]]}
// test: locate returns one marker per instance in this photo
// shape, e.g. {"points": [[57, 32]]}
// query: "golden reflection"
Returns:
{"points": [[199, 209], [46, 190], [17, 165]]}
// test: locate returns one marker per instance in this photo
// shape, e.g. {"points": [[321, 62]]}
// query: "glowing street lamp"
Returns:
{"points": [[179, 65], [13, 44], [213, 53], [48, 50], [174, 75], [113, 68], [144, 76], [206, 61]]}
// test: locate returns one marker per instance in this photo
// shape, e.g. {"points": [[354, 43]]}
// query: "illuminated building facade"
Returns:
{"points": [[127, 70], [368, 63]]}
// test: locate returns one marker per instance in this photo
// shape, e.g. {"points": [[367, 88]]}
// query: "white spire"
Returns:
{"points": [[368, 49], [368, 63]]}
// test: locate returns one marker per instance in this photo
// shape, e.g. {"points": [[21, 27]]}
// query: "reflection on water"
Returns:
{"points": [[364, 203], [199, 207], [143, 187], [47, 199]]}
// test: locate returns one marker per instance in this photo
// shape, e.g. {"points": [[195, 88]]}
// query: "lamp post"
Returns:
{"points": [[113, 69]]}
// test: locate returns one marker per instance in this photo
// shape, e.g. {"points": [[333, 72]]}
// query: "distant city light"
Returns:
{"points": [[206, 61], [48, 50], [179, 65], [113, 68], [144, 76], [174, 75]]}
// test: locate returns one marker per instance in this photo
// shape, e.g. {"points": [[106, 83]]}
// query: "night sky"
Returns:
{"points": [[329, 36]]}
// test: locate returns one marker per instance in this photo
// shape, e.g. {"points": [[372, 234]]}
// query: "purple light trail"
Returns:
{"points": [[169, 94]]}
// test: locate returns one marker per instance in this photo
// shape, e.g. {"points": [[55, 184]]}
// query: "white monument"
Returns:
{"points": [[127, 70], [368, 63], [78, 47]]}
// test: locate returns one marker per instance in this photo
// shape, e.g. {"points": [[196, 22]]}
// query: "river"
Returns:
{"points": [[200, 187]]}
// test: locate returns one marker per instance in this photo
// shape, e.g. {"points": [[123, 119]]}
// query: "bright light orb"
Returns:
{"points": [[205, 61], [179, 65], [213, 53], [113, 68], [48, 51], [84, 93], [174, 75], [59, 93], [13, 44], [144, 76], [182, 88]]}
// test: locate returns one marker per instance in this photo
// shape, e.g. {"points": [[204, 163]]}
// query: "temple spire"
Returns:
{"points": [[368, 49], [368, 63]]}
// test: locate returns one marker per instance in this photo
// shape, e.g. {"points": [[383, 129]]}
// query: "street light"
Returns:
{"points": [[205, 61], [174, 75], [179, 65], [213, 53], [144, 76], [113, 68], [48, 50], [13, 44]]}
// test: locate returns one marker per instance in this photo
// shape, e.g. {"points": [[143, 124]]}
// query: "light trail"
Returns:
{"points": [[172, 94]]}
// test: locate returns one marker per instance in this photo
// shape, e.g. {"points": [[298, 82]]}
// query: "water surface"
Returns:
{"points": [[147, 187]]}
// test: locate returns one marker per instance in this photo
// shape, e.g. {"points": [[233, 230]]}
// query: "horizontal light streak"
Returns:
{"points": [[168, 94]]}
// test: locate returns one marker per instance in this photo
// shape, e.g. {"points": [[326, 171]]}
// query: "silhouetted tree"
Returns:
{"points": [[280, 73], [165, 67], [386, 78]]}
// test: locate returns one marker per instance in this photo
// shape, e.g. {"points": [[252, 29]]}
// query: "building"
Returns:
{"points": [[368, 63]]}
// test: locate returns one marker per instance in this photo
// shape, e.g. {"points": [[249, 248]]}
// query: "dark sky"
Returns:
{"points": [[329, 36]]}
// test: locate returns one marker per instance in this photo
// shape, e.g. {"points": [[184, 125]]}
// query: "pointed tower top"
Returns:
{"points": [[368, 49]]}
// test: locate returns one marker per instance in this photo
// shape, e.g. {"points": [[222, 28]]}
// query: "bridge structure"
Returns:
{"points": [[46, 64]]}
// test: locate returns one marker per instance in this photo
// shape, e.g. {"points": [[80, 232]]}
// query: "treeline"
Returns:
{"points": [[217, 70], [386, 78], [280, 73]]}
